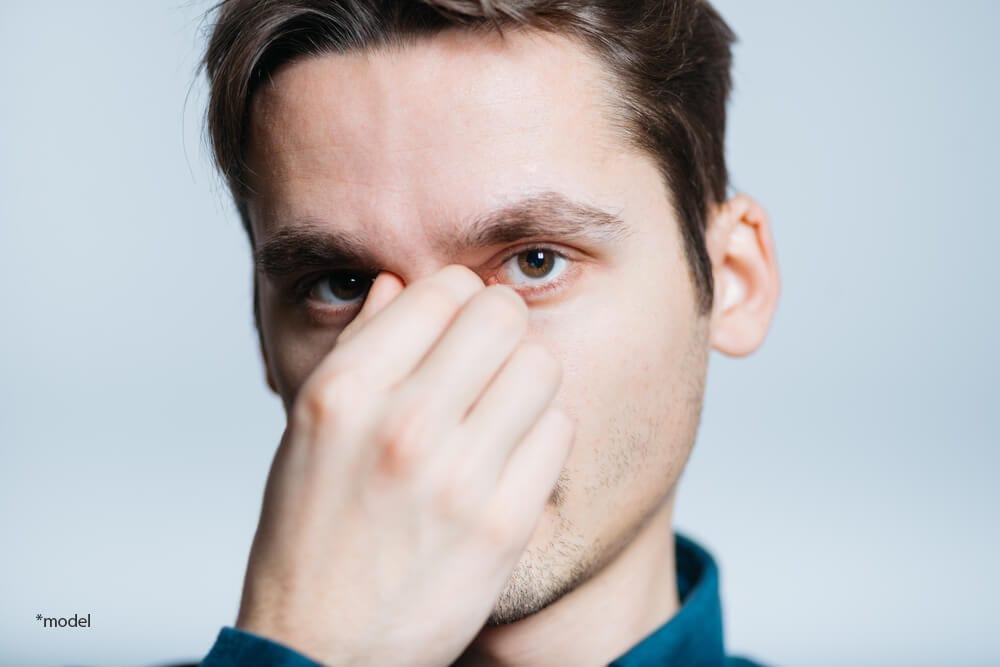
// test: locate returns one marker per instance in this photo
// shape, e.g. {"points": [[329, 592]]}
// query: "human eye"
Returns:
{"points": [[533, 270], [542, 269], [338, 291]]}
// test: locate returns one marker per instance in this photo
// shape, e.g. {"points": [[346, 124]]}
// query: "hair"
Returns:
{"points": [[670, 60]]}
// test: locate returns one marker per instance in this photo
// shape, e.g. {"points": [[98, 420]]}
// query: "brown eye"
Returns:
{"points": [[337, 288], [538, 265]]}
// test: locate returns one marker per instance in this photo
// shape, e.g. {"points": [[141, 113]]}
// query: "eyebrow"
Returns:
{"points": [[548, 214]]}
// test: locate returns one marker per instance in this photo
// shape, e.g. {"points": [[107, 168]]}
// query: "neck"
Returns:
{"points": [[633, 595]]}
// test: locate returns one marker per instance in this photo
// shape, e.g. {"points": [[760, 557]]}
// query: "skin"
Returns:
{"points": [[447, 128]]}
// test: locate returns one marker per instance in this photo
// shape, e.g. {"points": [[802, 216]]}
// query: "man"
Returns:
{"points": [[493, 247]]}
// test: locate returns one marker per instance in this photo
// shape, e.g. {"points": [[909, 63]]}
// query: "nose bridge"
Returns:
{"points": [[406, 242], [413, 271]]}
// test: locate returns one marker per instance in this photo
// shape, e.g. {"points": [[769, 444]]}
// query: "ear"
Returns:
{"points": [[745, 272]]}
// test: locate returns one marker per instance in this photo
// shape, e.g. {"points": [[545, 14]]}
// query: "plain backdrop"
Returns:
{"points": [[843, 477]]}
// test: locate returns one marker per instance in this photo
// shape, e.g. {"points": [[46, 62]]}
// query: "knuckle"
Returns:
{"points": [[328, 398], [401, 437], [501, 531]]}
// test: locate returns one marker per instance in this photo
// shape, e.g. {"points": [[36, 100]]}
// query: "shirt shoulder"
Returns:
{"points": [[238, 648]]}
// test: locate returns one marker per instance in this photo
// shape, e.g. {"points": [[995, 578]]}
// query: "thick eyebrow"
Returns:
{"points": [[549, 214], [311, 244]]}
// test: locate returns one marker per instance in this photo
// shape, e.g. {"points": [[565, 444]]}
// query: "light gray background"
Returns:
{"points": [[843, 476]]}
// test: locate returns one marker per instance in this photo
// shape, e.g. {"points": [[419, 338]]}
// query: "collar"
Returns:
{"points": [[693, 636]]}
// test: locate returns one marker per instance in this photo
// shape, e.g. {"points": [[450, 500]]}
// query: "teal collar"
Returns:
{"points": [[693, 636]]}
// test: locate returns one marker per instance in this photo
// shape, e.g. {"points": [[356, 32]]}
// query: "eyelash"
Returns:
{"points": [[551, 285], [305, 285]]}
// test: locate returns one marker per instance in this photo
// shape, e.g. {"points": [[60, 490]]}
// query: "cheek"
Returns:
{"points": [[631, 380], [292, 353]]}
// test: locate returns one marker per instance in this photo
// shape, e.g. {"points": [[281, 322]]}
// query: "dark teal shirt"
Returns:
{"points": [[692, 638]]}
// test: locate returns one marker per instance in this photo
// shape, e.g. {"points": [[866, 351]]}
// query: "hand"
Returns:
{"points": [[416, 464]]}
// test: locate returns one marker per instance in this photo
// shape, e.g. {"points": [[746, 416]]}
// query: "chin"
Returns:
{"points": [[554, 562]]}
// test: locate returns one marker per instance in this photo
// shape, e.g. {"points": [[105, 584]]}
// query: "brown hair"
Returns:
{"points": [[671, 59]]}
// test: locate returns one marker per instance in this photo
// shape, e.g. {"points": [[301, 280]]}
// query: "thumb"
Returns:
{"points": [[383, 290]]}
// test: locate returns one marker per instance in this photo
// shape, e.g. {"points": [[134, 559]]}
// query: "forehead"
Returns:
{"points": [[440, 128]]}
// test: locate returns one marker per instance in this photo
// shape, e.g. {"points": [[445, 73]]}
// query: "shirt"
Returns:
{"points": [[691, 638]]}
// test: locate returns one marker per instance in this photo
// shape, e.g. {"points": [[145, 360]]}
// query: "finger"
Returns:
{"points": [[469, 354], [527, 483], [384, 289], [508, 409], [398, 336]]}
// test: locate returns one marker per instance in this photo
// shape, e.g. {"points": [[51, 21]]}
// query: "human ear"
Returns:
{"points": [[746, 277]]}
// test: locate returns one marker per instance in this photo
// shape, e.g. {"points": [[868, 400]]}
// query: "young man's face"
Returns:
{"points": [[401, 150]]}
